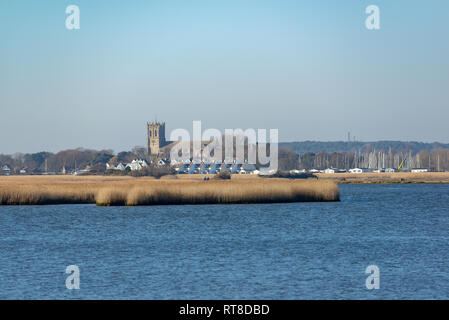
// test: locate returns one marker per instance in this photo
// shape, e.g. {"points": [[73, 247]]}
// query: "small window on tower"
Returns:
{"points": [[150, 133], [155, 133]]}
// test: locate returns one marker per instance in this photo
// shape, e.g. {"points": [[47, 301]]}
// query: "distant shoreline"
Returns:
{"points": [[356, 178], [387, 178]]}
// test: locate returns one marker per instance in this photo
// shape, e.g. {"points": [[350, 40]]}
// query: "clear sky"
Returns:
{"points": [[309, 68]]}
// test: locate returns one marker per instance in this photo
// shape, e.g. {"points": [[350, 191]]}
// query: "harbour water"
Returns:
{"points": [[267, 251]]}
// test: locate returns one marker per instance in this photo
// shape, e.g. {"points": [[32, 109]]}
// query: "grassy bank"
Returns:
{"points": [[41, 190]]}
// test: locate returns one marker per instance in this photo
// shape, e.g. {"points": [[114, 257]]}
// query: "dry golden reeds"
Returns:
{"points": [[142, 191], [221, 192]]}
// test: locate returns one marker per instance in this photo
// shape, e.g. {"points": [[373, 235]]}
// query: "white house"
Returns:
{"points": [[6, 170], [137, 165], [358, 170], [391, 170], [120, 167], [330, 170], [420, 170], [297, 171]]}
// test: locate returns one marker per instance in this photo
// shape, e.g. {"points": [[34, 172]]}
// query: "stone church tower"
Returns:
{"points": [[155, 137]]}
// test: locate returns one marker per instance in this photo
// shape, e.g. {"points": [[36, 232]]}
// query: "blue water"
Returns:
{"points": [[268, 251]]}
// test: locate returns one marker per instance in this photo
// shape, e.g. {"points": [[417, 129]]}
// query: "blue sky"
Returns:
{"points": [[309, 68]]}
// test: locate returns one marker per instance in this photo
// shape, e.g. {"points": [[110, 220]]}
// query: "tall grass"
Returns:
{"points": [[143, 191], [224, 192]]}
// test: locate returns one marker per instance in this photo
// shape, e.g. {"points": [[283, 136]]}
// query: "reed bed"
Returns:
{"points": [[106, 191]]}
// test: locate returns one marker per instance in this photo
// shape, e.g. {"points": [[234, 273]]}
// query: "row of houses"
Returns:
{"points": [[216, 167], [190, 167], [134, 165]]}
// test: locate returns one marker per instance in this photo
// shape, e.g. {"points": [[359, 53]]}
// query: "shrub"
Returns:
{"points": [[288, 175], [223, 175]]}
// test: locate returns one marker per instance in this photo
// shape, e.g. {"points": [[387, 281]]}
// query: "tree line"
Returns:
{"points": [[71, 160]]}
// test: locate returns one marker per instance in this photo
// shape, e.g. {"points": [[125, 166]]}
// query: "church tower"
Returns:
{"points": [[155, 137]]}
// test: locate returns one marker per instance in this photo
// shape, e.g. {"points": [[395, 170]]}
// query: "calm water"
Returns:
{"points": [[275, 251]]}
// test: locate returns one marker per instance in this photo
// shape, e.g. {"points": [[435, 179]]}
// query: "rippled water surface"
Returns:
{"points": [[268, 251]]}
